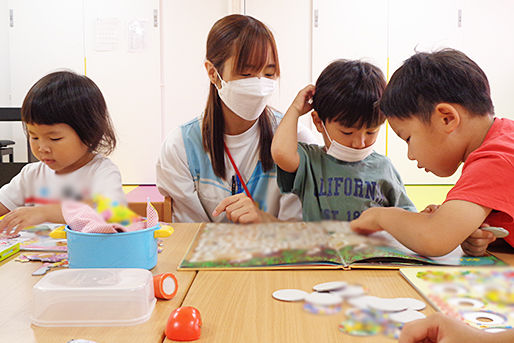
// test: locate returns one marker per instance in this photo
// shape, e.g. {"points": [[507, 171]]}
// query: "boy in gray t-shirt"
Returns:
{"points": [[345, 177]]}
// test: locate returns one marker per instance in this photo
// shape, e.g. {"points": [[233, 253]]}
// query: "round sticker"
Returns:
{"points": [[290, 294], [323, 299], [329, 286], [484, 318]]}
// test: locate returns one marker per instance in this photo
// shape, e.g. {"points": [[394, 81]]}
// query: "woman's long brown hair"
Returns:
{"points": [[247, 40]]}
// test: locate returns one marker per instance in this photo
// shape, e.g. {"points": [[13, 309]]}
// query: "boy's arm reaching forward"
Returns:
{"points": [[429, 234], [285, 141]]}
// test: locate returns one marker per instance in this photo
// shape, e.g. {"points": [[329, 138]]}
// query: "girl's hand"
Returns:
{"points": [[21, 218], [302, 103], [239, 209], [476, 244], [367, 223], [430, 209]]}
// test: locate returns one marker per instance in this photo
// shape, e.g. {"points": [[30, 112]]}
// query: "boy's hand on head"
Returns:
{"points": [[476, 244], [440, 328], [302, 103], [239, 208], [430, 209], [21, 218], [367, 223]]}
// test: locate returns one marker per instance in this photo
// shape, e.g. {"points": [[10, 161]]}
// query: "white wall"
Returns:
{"points": [[185, 25], [335, 29], [4, 56], [5, 127], [388, 32], [487, 38], [293, 38], [128, 73], [152, 91], [37, 47], [422, 25]]}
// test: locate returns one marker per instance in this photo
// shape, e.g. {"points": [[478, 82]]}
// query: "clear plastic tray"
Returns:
{"points": [[93, 297]]}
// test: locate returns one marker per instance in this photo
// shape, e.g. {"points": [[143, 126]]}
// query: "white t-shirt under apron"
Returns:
{"points": [[184, 172]]}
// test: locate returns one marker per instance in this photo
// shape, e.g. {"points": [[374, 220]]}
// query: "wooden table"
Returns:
{"points": [[236, 306], [16, 301]]}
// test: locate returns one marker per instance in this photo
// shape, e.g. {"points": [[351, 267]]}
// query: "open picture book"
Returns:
{"points": [[307, 245], [37, 238]]}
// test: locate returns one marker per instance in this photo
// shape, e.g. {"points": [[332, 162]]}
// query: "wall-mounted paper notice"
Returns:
{"points": [[136, 35], [107, 34]]}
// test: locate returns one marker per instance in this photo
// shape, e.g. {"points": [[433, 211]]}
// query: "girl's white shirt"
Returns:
{"points": [[37, 183]]}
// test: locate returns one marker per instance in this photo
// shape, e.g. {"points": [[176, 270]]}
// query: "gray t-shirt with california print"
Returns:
{"points": [[336, 190]]}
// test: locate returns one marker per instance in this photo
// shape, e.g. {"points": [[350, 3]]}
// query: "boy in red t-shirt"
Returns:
{"points": [[439, 104]]}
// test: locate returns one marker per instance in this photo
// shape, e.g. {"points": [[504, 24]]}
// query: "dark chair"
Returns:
{"points": [[5, 149]]}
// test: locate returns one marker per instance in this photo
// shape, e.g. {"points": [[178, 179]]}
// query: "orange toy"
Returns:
{"points": [[184, 324], [165, 286]]}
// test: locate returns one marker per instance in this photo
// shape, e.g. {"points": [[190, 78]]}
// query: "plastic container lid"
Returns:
{"points": [[93, 297]]}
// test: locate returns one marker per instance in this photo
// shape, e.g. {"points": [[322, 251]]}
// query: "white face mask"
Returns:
{"points": [[344, 153], [247, 97]]}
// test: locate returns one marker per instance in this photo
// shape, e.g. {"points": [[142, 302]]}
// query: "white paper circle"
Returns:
{"points": [[494, 318], [349, 291], [406, 316], [466, 303], [329, 286], [387, 305], [323, 299], [412, 304], [290, 294], [361, 302]]}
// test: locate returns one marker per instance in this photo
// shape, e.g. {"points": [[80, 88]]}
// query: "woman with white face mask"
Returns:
{"points": [[218, 167]]}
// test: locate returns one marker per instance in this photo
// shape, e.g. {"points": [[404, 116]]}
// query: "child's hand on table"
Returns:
{"points": [[367, 222], [476, 244], [239, 209], [21, 218]]}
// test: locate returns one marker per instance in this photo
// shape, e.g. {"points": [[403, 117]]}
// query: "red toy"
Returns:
{"points": [[184, 324], [165, 286]]}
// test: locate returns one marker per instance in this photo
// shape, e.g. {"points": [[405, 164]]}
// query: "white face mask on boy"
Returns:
{"points": [[247, 97], [344, 153]]}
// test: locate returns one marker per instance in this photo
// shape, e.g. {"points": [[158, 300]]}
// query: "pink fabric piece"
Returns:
{"points": [[152, 217], [81, 217]]}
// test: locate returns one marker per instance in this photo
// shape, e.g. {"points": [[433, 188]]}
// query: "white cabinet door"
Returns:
{"points": [[487, 30], [423, 25], [5, 84], [42, 36], [123, 58], [45, 36], [289, 21], [350, 29]]}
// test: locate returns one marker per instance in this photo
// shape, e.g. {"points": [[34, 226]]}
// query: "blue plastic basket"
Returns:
{"points": [[136, 249]]}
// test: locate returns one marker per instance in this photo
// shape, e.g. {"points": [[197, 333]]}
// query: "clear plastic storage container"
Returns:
{"points": [[93, 297]]}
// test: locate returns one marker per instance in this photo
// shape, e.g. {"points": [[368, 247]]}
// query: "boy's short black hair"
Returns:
{"points": [[347, 92], [427, 79], [73, 99]]}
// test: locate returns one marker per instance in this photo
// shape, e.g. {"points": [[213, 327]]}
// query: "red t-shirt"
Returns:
{"points": [[488, 176]]}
